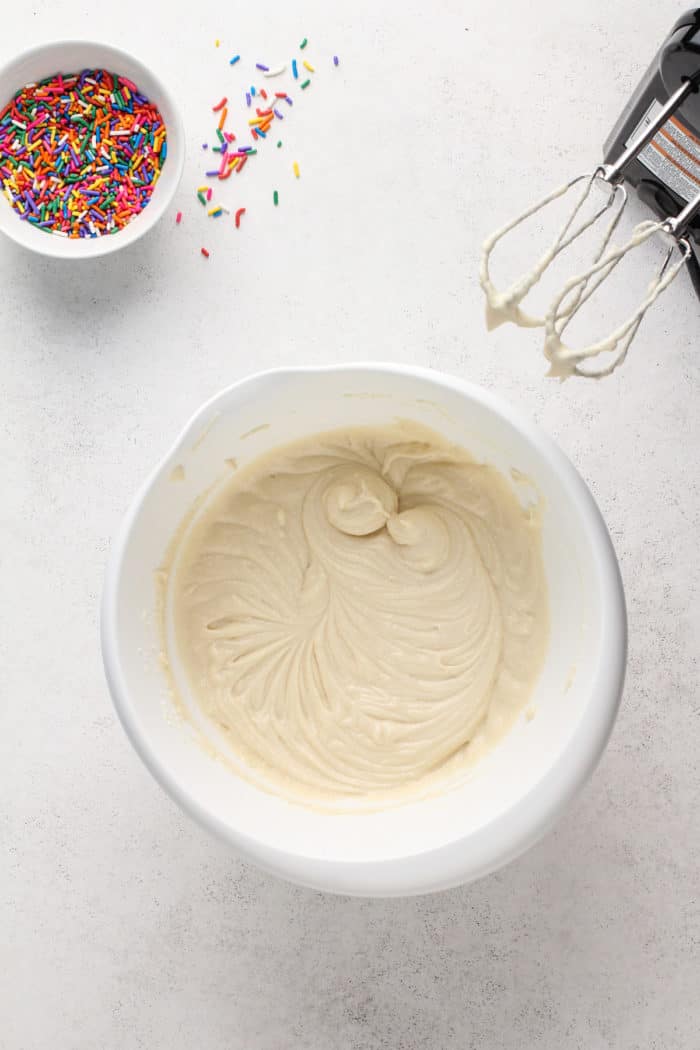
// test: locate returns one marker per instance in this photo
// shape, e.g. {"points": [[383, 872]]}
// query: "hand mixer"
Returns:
{"points": [[655, 148]]}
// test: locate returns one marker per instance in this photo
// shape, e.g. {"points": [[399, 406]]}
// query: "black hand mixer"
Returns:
{"points": [[655, 148]]}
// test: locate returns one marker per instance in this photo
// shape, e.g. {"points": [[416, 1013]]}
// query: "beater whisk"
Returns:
{"points": [[506, 306]]}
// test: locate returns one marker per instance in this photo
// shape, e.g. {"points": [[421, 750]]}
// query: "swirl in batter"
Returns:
{"points": [[362, 612]]}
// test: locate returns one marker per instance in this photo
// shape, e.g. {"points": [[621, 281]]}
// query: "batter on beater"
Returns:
{"points": [[657, 129], [362, 612]]}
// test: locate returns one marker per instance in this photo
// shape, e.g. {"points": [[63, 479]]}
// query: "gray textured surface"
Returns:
{"points": [[123, 924]]}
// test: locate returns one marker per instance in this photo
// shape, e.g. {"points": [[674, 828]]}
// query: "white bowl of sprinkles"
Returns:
{"points": [[80, 194]]}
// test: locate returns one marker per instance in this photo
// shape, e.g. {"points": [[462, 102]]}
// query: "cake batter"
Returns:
{"points": [[362, 611]]}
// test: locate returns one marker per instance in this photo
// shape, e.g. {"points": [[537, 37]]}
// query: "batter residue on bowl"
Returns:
{"points": [[362, 611]]}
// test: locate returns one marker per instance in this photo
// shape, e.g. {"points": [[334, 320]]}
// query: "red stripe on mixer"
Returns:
{"points": [[663, 152], [682, 149], [681, 127]]}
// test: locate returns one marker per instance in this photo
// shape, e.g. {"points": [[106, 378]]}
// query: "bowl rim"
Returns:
{"points": [[101, 246], [517, 828]]}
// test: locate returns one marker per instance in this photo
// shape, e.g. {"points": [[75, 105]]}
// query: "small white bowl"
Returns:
{"points": [[515, 792], [72, 56]]}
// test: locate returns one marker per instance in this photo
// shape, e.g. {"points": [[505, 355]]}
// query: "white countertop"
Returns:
{"points": [[123, 924]]}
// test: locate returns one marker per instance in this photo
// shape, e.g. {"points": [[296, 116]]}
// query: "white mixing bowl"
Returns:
{"points": [[72, 56], [512, 795]]}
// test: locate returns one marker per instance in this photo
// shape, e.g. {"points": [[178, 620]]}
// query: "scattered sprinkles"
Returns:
{"points": [[80, 153], [231, 156]]}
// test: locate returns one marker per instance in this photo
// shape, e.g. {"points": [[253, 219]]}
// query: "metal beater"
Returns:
{"points": [[673, 228]]}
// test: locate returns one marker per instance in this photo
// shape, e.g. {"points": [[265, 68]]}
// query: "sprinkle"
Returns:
{"points": [[280, 94], [252, 91], [289, 101], [219, 105], [209, 194], [178, 218], [247, 98], [202, 198], [295, 71], [211, 174], [232, 61], [275, 72], [263, 92], [307, 65], [295, 169], [215, 212], [305, 84], [335, 60], [303, 44], [222, 118], [204, 252], [205, 145], [278, 114], [216, 43], [241, 211], [80, 154], [279, 143], [275, 198], [259, 65]]}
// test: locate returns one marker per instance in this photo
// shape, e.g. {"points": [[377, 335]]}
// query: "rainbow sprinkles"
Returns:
{"points": [[80, 153], [232, 156]]}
